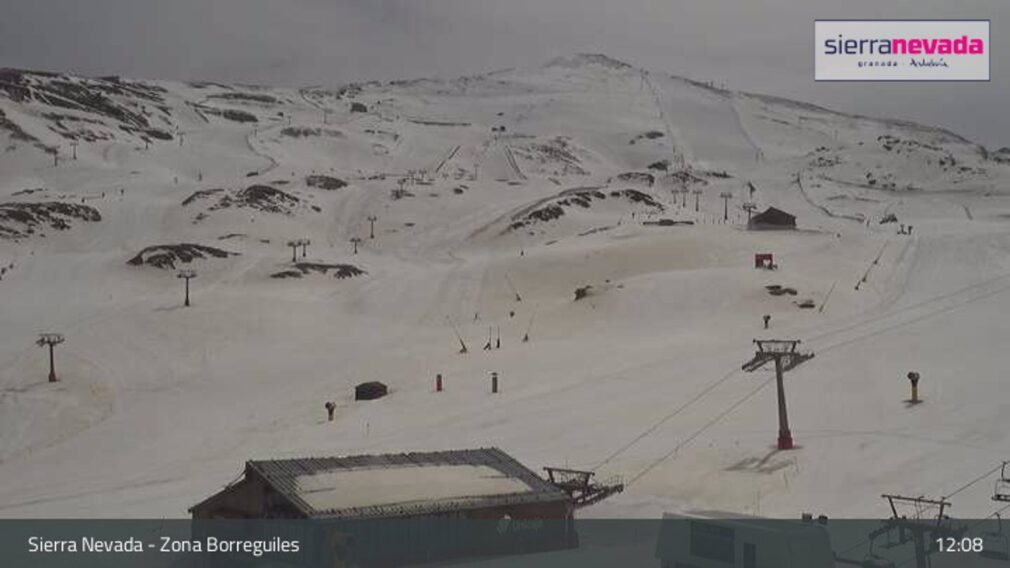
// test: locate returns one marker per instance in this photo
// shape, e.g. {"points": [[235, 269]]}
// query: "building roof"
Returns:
{"points": [[404, 484], [773, 215]]}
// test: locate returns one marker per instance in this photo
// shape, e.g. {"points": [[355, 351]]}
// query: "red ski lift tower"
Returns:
{"points": [[783, 352]]}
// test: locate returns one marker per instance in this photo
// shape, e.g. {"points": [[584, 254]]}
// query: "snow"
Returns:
{"points": [[364, 487], [159, 405]]}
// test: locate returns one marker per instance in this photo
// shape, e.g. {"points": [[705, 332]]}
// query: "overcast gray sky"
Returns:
{"points": [[758, 45]]}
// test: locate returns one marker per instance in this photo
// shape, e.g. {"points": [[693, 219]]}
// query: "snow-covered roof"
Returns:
{"points": [[404, 484]]}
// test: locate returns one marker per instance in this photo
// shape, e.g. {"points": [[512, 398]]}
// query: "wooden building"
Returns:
{"points": [[772, 219]]}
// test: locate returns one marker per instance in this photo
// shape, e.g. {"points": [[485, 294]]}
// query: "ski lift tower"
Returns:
{"points": [[186, 275], [50, 340], [726, 196], [783, 352], [749, 207], [915, 522], [580, 486]]}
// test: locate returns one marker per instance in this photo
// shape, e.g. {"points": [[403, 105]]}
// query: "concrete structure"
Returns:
{"points": [[477, 484]]}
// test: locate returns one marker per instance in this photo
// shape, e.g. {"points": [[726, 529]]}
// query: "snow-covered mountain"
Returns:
{"points": [[494, 198]]}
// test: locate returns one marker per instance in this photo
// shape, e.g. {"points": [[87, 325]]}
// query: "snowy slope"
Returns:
{"points": [[528, 183]]}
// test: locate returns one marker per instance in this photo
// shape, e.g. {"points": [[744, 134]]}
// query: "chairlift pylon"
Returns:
{"points": [[996, 546]]}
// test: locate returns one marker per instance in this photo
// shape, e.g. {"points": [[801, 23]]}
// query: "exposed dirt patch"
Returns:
{"points": [[555, 208], [642, 178], [263, 198], [309, 132], [339, 271], [18, 220], [328, 183], [167, 256]]}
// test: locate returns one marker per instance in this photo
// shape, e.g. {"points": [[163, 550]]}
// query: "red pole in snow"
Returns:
{"points": [[438, 382]]}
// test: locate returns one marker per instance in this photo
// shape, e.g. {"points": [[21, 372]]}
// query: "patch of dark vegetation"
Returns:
{"points": [[27, 191], [308, 131], [583, 292], [72, 127], [778, 290], [556, 153], [16, 132], [458, 190], [594, 231], [158, 134], [579, 198], [340, 271], [259, 197], [899, 145], [638, 197], [582, 198], [667, 223], [262, 197], [823, 158], [637, 177], [231, 114], [649, 135], [200, 194], [90, 95], [246, 97], [166, 256], [686, 178], [660, 166], [18, 220], [544, 214], [886, 181], [1001, 156], [433, 122], [358, 107], [328, 183], [718, 174], [232, 236]]}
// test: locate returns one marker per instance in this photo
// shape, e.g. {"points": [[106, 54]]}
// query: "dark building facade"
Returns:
{"points": [[772, 219]]}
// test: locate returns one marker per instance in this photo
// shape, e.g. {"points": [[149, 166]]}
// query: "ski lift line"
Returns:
{"points": [[914, 320], [512, 286], [532, 317], [948, 496], [820, 350], [973, 482], [827, 297], [700, 431], [648, 431], [908, 308], [725, 378]]}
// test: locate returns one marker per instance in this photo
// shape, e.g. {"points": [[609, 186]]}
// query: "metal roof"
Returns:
{"points": [[283, 476]]}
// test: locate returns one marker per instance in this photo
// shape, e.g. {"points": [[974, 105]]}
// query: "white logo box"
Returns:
{"points": [[901, 50]]}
